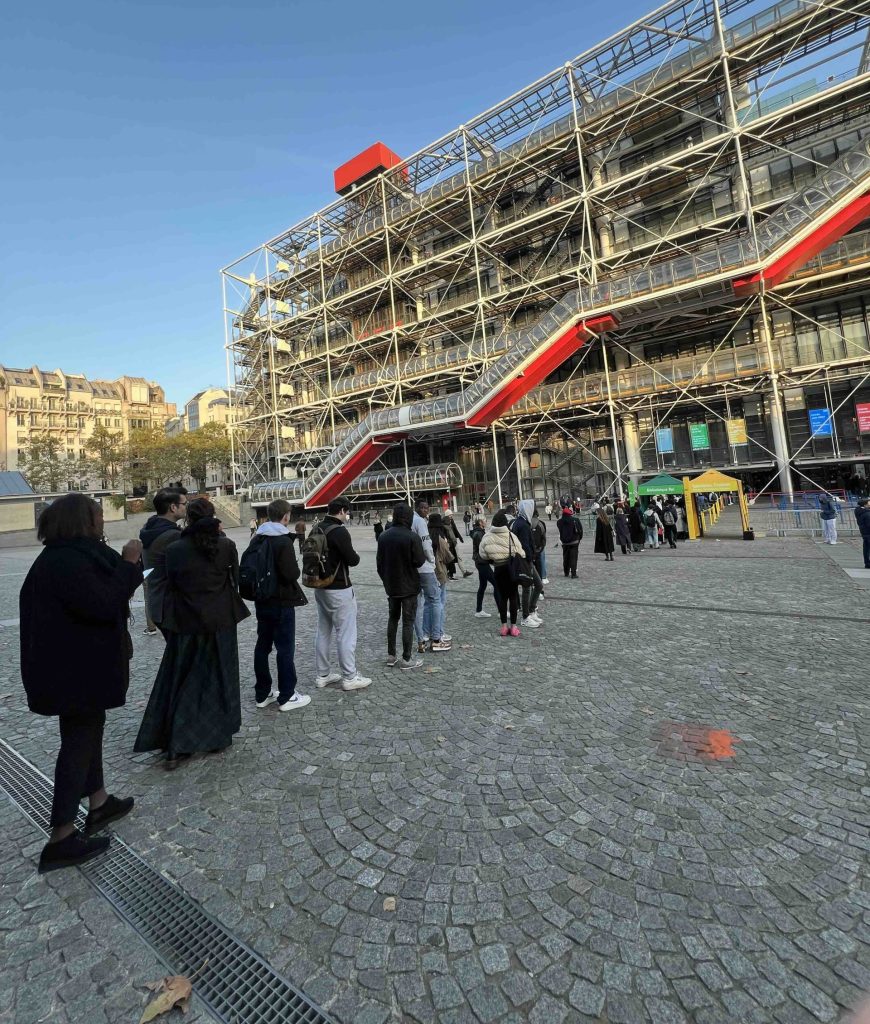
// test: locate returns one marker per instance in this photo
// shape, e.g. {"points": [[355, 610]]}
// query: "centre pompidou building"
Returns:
{"points": [[653, 259]]}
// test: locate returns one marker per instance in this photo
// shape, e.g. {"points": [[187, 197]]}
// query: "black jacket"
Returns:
{"points": [[862, 518], [340, 555], [570, 529], [476, 535], [289, 594], [522, 530], [202, 595], [75, 648], [156, 536], [400, 555]]}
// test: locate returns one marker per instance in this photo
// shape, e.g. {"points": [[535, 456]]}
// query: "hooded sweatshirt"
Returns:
{"points": [[289, 593], [522, 527], [421, 528], [156, 536], [153, 528]]}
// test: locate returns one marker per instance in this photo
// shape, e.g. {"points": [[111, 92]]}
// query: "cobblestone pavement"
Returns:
{"points": [[653, 809], [64, 955]]}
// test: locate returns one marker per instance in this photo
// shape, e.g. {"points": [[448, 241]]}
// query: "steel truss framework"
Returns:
{"points": [[670, 145]]}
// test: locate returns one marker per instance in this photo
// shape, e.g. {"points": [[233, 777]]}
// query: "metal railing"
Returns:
{"points": [[802, 522]]}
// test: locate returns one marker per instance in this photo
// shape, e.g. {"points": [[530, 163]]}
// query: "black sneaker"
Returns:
{"points": [[110, 811], [71, 851]]}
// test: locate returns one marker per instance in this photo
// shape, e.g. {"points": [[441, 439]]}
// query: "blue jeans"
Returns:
{"points": [[438, 612], [430, 594], [276, 627]]}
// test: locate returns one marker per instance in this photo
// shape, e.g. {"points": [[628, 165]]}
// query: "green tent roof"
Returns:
{"points": [[663, 484]]}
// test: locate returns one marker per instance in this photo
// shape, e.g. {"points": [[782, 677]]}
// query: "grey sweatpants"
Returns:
{"points": [[336, 613]]}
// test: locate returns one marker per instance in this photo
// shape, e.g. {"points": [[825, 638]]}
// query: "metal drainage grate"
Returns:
{"points": [[238, 986]]}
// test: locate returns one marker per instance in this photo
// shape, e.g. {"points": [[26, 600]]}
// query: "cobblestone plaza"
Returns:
{"points": [[653, 809]]}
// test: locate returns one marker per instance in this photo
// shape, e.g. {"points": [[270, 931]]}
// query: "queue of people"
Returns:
{"points": [[78, 591]]}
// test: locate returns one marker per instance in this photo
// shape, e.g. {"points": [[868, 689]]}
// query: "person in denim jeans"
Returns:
{"points": [[429, 591], [828, 515], [440, 641], [276, 616]]}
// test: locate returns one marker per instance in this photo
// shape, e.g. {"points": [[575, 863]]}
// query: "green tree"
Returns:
{"points": [[105, 455], [208, 446], [42, 460], [153, 459]]}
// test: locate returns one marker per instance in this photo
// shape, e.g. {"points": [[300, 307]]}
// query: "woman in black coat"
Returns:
{"points": [[603, 535], [195, 706], [636, 527], [75, 663]]}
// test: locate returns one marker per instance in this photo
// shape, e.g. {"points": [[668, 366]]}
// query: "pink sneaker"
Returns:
{"points": [[503, 631], [515, 630]]}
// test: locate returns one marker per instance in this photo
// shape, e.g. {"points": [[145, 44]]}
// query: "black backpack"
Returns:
{"points": [[258, 574], [314, 552]]}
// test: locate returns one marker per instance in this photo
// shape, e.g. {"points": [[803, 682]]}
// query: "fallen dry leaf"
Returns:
{"points": [[466, 647], [508, 726], [173, 990], [441, 739], [390, 903]]}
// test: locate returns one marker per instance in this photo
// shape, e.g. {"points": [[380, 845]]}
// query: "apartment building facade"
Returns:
{"points": [[70, 407]]}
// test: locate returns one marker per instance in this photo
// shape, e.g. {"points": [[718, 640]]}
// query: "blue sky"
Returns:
{"points": [[149, 144]]}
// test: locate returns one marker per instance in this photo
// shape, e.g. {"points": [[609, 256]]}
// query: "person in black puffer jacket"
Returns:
{"points": [[400, 555], [570, 534]]}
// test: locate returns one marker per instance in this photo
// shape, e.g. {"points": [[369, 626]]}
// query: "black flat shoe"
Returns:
{"points": [[175, 761], [110, 811], [71, 851]]}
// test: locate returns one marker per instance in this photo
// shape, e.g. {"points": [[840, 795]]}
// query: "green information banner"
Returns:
{"points": [[699, 436]]}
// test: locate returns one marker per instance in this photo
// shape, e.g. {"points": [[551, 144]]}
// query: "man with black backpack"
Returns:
{"points": [[669, 520], [268, 575], [327, 556]]}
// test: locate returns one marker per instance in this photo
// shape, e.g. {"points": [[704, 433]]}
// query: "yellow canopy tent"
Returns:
{"points": [[713, 482]]}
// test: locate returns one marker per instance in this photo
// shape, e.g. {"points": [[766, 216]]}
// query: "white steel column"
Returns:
{"points": [[497, 470], [777, 416], [632, 446]]}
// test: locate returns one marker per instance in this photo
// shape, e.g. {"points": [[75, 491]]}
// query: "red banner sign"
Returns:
{"points": [[863, 411]]}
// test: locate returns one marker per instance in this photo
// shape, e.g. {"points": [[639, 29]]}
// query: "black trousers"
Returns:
{"points": [[531, 593], [569, 559], [406, 608], [485, 575], [671, 535], [506, 591], [79, 768]]}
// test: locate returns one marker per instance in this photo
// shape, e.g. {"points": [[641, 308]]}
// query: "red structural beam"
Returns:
{"points": [[821, 237], [356, 464], [556, 354]]}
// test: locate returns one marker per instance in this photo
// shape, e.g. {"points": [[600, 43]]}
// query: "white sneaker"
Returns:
{"points": [[357, 683], [531, 623], [298, 700], [483, 615], [537, 618], [545, 582], [333, 677], [269, 700]]}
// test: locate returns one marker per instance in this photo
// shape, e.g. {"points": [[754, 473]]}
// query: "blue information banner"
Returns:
{"points": [[820, 423], [665, 440]]}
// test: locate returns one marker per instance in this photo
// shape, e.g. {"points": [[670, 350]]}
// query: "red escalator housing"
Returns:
{"points": [[358, 463], [824, 235], [565, 345]]}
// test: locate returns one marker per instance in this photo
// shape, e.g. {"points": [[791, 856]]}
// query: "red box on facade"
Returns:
{"points": [[365, 165]]}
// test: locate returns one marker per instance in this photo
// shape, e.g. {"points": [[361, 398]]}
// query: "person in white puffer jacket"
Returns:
{"points": [[496, 546]]}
